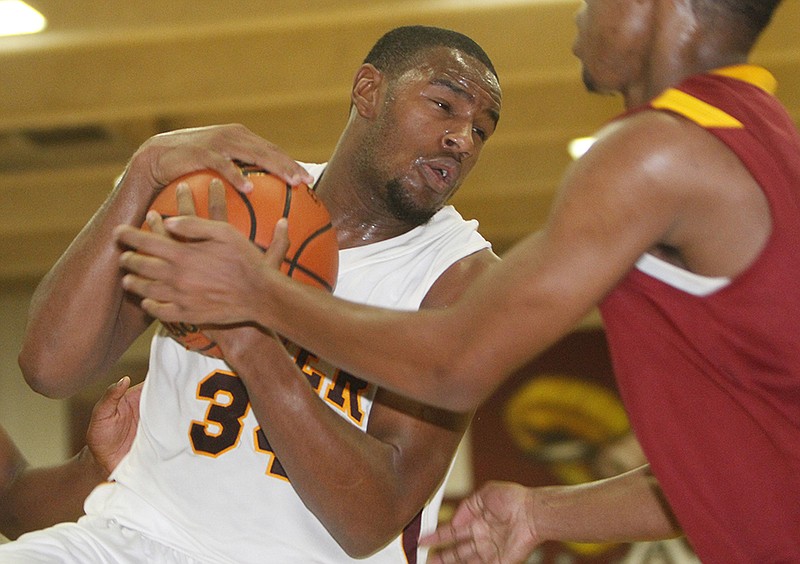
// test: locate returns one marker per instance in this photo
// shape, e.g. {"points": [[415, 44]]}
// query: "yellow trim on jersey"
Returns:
{"points": [[700, 112], [755, 75], [707, 115]]}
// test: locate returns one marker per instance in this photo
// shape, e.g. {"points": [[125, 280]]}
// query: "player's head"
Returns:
{"points": [[745, 19], [638, 47], [404, 47], [425, 100]]}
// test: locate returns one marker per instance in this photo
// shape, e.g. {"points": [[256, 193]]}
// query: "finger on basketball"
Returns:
{"points": [[146, 242], [279, 244], [286, 169], [191, 227], [230, 171], [217, 205], [183, 194], [155, 222], [309, 256]]}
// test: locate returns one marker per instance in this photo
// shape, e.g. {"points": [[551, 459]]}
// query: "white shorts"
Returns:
{"points": [[92, 540]]}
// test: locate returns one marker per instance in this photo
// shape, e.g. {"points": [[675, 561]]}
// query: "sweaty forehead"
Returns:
{"points": [[446, 66]]}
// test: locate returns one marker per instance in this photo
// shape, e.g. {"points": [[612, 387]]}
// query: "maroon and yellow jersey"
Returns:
{"points": [[712, 379]]}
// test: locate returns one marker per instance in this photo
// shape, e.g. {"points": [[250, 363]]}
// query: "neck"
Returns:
{"points": [[682, 44], [357, 213], [665, 78]]}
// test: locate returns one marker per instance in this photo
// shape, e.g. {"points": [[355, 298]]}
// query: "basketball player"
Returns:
{"points": [[33, 498], [682, 223], [244, 461]]}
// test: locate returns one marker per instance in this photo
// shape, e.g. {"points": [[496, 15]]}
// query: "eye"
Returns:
{"points": [[480, 133], [443, 105]]}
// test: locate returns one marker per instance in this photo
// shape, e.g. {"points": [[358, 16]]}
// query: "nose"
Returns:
{"points": [[459, 141]]}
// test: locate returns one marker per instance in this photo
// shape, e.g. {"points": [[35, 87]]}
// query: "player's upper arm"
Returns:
{"points": [[626, 195], [453, 281], [619, 200], [651, 179]]}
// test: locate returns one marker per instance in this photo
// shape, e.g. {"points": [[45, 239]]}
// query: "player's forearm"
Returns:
{"points": [[350, 480], [74, 330], [624, 508], [41, 497], [383, 346], [457, 355]]}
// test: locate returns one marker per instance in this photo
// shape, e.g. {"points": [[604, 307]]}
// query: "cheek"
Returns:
{"points": [[633, 31], [403, 129], [612, 54]]}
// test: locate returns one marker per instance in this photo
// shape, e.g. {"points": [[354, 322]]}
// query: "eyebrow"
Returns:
{"points": [[461, 93]]}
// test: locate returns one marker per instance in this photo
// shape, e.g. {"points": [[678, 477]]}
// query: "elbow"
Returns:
{"points": [[367, 536], [357, 549], [365, 541], [456, 386], [11, 527], [43, 385], [455, 372], [42, 373], [33, 369], [365, 547]]}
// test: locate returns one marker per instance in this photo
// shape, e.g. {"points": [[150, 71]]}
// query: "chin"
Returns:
{"points": [[403, 207], [589, 82]]}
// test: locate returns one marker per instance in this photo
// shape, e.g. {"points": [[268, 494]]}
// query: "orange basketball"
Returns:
{"points": [[313, 254]]}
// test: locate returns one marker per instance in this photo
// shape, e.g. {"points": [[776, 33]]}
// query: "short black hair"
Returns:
{"points": [[397, 50], [752, 15]]}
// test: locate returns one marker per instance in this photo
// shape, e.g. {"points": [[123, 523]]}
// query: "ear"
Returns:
{"points": [[367, 93]]}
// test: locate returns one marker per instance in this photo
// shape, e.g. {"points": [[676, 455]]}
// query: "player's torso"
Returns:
{"points": [[724, 353], [202, 477], [203, 464]]}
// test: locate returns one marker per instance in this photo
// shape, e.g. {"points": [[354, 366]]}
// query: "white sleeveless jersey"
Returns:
{"points": [[202, 479]]}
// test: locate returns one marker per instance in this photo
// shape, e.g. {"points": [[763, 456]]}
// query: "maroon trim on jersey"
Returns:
{"points": [[411, 538]]}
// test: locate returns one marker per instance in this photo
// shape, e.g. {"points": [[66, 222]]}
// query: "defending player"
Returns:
{"points": [[256, 465], [682, 223]]}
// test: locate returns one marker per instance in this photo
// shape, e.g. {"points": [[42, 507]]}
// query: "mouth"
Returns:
{"points": [[440, 174]]}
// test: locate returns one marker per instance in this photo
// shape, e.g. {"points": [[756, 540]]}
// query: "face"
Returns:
{"points": [[612, 43], [429, 133]]}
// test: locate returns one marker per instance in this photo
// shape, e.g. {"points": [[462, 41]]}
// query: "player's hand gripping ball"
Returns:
{"points": [[313, 254]]}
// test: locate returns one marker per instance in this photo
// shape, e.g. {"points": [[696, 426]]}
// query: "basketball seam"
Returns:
{"points": [[287, 201], [188, 337], [294, 263], [251, 212]]}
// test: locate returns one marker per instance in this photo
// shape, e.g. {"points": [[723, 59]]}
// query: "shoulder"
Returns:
{"points": [[648, 155], [458, 277], [651, 178], [652, 141]]}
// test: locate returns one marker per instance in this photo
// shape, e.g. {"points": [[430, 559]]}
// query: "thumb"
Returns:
{"points": [[279, 245], [107, 405], [115, 391]]}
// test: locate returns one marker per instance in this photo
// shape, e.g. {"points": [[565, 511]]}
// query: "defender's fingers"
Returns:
{"points": [[192, 227], [155, 222], [217, 206], [153, 244], [185, 199], [112, 395], [279, 245]]}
